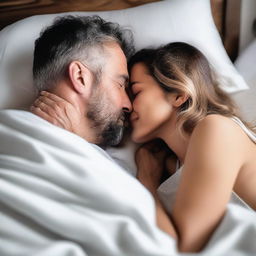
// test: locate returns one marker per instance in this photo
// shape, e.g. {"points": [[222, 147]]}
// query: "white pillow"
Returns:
{"points": [[153, 24], [246, 100]]}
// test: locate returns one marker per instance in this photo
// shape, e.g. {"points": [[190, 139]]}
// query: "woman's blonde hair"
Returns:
{"points": [[181, 68]]}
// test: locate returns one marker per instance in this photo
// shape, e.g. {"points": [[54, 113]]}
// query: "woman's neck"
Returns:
{"points": [[175, 141]]}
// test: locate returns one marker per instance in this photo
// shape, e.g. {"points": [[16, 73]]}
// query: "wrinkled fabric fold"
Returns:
{"points": [[60, 195]]}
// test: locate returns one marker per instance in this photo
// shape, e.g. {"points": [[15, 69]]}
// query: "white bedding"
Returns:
{"points": [[60, 196], [60, 193]]}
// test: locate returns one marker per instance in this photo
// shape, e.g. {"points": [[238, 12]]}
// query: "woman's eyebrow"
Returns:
{"points": [[133, 83]]}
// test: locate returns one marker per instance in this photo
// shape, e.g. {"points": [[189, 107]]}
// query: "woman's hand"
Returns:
{"points": [[150, 161], [58, 111]]}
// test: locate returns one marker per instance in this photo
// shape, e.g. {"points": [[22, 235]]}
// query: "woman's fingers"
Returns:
{"points": [[51, 96], [47, 101], [171, 164], [39, 112], [55, 100], [55, 108], [59, 103], [57, 111], [47, 106], [46, 109]]}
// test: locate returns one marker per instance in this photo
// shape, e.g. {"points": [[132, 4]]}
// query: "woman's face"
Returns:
{"points": [[151, 107]]}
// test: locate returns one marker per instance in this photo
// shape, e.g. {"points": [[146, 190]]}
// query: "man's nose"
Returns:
{"points": [[127, 105]]}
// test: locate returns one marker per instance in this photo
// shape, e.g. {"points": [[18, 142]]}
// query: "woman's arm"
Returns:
{"points": [[150, 167], [214, 157], [163, 220]]}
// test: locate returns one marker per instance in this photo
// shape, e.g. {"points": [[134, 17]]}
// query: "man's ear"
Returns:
{"points": [[178, 99], [81, 77]]}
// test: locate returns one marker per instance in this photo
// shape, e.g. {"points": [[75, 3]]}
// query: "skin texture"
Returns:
{"points": [[217, 158]]}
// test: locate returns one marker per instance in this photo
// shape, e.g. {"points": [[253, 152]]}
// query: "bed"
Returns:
{"points": [[51, 202]]}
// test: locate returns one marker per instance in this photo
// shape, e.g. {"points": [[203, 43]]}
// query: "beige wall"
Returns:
{"points": [[248, 14]]}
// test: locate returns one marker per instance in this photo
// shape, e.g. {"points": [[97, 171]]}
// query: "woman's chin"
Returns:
{"points": [[138, 139], [134, 138]]}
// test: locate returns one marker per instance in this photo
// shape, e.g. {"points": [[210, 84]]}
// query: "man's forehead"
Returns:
{"points": [[113, 48], [116, 63]]}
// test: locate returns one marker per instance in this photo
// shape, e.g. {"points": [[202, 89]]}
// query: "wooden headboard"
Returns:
{"points": [[226, 13]]}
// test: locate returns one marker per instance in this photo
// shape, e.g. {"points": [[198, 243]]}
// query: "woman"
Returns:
{"points": [[177, 100]]}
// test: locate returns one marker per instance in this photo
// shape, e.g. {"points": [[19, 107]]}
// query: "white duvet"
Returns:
{"points": [[61, 196]]}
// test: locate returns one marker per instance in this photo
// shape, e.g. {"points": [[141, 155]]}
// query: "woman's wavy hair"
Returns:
{"points": [[181, 68]]}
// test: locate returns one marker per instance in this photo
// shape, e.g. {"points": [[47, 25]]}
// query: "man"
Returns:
{"points": [[83, 60], [60, 194]]}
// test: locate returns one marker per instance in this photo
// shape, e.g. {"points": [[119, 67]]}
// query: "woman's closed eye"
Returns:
{"points": [[135, 91], [133, 95]]}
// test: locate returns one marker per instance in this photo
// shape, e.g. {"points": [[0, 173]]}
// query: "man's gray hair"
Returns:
{"points": [[80, 38]]}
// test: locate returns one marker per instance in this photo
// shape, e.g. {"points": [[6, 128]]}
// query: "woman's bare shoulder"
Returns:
{"points": [[215, 119], [219, 125], [218, 132]]}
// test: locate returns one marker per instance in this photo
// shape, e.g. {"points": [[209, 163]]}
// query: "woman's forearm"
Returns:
{"points": [[163, 219]]}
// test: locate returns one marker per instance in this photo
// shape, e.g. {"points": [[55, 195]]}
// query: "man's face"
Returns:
{"points": [[109, 101]]}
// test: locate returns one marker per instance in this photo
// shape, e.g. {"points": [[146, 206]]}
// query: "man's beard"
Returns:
{"points": [[108, 124]]}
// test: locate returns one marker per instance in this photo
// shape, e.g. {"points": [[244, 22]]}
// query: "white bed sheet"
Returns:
{"points": [[61, 196], [59, 191]]}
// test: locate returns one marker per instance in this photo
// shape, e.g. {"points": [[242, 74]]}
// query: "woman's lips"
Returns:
{"points": [[134, 116]]}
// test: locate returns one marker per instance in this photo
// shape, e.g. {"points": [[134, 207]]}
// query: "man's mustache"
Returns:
{"points": [[125, 117]]}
